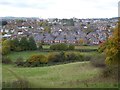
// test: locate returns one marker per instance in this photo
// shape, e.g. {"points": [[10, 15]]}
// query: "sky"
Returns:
{"points": [[59, 8]]}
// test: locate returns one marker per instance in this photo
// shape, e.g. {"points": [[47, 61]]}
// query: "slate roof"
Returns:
{"points": [[38, 37]]}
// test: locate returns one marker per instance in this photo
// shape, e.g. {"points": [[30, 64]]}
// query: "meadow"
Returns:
{"points": [[72, 75]]}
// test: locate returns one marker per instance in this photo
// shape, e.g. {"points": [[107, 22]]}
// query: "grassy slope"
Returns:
{"points": [[66, 75]]}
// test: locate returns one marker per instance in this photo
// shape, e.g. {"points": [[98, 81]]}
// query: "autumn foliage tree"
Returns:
{"points": [[112, 47], [5, 47]]}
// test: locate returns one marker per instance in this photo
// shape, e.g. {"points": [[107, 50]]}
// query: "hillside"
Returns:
{"points": [[73, 75]]}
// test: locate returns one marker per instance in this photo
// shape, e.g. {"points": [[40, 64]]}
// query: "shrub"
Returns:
{"points": [[71, 47], [19, 61], [36, 60], [5, 50], [17, 49], [6, 46], [6, 60], [40, 46], [52, 57], [98, 61], [61, 46], [74, 57], [87, 58], [85, 45], [58, 57]]}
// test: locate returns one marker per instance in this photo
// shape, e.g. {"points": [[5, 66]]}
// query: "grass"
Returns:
{"points": [[46, 46], [27, 54], [76, 47], [86, 47], [72, 75], [24, 54]]}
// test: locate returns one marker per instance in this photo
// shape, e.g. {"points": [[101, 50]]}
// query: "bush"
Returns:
{"points": [[98, 61], [74, 57], [61, 46], [5, 50], [6, 60], [52, 57], [85, 45], [58, 57], [87, 58], [71, 47], [19, 61], [36, 60], [40, 46]]}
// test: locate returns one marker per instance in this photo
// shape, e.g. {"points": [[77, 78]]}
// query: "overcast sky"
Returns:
{"points": [[59, 8]]}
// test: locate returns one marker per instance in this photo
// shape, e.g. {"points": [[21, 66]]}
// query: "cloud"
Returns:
{"points": [[59, 8]]}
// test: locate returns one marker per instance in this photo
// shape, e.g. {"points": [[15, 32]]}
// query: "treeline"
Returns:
{"points": [[16, 44], [25, 44]]}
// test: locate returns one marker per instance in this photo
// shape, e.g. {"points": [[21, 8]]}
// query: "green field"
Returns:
{"points": [[86, 47], [76, 47], [72, 75], [26, 54]]}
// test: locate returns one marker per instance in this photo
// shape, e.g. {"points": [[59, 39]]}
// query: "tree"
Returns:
{"points": [[71, 47], [6, 47], [47, 29], [61, 46], [32, 44], [3, 22], [15, 45], [40, 47], [112, 48], [24, 43], [81, 41]]}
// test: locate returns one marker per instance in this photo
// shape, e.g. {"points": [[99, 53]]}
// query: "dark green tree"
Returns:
{"points": [[71, 47], [32, 44], [24, 44], [15, 45], [40, 47]]}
